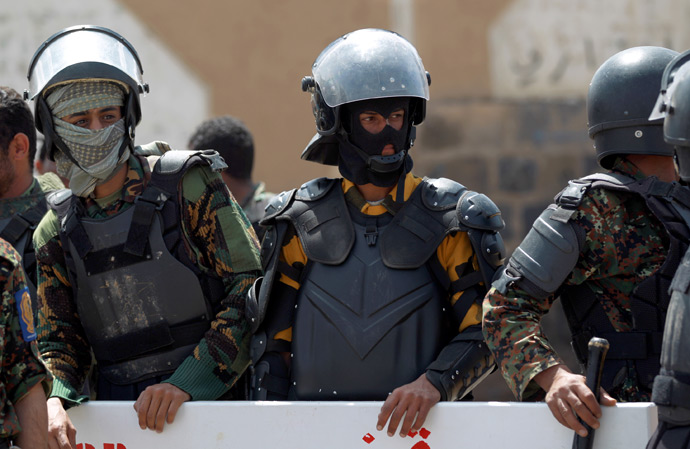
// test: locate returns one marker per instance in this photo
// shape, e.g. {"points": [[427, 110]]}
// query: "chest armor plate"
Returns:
{"points": [[134, 306], [361, 328]]}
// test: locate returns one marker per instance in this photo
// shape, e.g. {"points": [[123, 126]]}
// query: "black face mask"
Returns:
{"points": [[360, 151]]}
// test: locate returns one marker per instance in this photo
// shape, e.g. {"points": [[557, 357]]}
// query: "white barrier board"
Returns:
{"points": [[352, 425]]}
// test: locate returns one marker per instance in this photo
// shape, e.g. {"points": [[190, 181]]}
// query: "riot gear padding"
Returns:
{"points": [[467, 358], [112, 261], [85, 52], [633, 354], [621, 95], [363, 65], [409, 290], [672, 385], [545, 257]]}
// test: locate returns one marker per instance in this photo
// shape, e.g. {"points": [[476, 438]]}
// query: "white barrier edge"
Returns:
{"points": [[352, 425]]}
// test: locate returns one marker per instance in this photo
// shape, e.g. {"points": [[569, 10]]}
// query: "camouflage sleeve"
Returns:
{"points": [[511, 322], [62, 341], [22, 367], [224, 245]]}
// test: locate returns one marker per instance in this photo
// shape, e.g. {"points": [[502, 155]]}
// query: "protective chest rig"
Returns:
{"points": [[17, 231], [556, 243], [372, 312], [143, 304]]}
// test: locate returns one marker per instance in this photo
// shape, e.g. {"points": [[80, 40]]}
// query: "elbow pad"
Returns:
{"points": [[461, 365]]}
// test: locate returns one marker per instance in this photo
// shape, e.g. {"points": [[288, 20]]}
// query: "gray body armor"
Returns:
{"points": [[373, 312], [143, 304], [18, 231], [672, 386], [551, 250]]}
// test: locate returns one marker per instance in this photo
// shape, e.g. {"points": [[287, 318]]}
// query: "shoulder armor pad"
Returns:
{"points": [[548, 253], [172, 162], [571, 197], [476, 210], [277, 205], [315, 189], [58, 197], [612, 178], [156, 148], [441, 193]]}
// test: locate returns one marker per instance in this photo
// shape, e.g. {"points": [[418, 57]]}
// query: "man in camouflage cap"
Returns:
{"points": [[671, 391], [147, 260], [22, 196], [23, 416], [609, 247]]}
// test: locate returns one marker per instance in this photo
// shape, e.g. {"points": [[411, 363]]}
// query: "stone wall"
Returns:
{"points": [[520, 154]]}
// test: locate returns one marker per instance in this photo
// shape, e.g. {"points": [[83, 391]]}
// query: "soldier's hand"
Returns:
{"points": [[158, 404], [413, 401], [61, 432], [568, 397]]}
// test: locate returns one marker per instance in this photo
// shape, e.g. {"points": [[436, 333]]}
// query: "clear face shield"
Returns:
{"points": [[60, 58]]}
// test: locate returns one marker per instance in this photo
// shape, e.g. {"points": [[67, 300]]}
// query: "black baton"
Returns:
{"points": [[597, 348]]}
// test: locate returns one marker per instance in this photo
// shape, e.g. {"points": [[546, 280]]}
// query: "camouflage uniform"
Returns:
{"points": [[22, 367], [216, 237], [254, 206], [624, 244], [34, 195], [40, 186]]}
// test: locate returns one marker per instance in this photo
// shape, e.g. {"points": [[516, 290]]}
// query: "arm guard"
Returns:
{"points": [[545, 257], [461, 365], [260, 292]]}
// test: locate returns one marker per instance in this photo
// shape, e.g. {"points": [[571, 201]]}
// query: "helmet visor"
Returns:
{"points": [[81, 45], [368, 64]]}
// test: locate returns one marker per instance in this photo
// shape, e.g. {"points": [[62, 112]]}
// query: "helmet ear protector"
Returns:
{"points": [[327, 118]]}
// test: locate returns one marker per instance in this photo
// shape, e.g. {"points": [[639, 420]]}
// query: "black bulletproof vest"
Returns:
{"points": [[639, 349], [672, 385], [17, 231], [130, 306], [143, 304], [362, 327]]}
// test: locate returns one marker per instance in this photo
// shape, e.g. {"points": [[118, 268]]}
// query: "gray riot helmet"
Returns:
{"points": [[367, 64], [84, 52], [676, 109], [621, 96]]}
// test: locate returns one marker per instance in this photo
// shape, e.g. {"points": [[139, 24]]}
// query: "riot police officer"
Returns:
{"points": [[671, 391], [608, 246], [374, 280], [146, 261]]}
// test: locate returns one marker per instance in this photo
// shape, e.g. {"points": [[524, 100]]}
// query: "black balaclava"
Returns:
{"points": [[360, 151]]}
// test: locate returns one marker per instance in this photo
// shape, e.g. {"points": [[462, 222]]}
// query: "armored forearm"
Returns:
{"points": [[461, 365]]}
